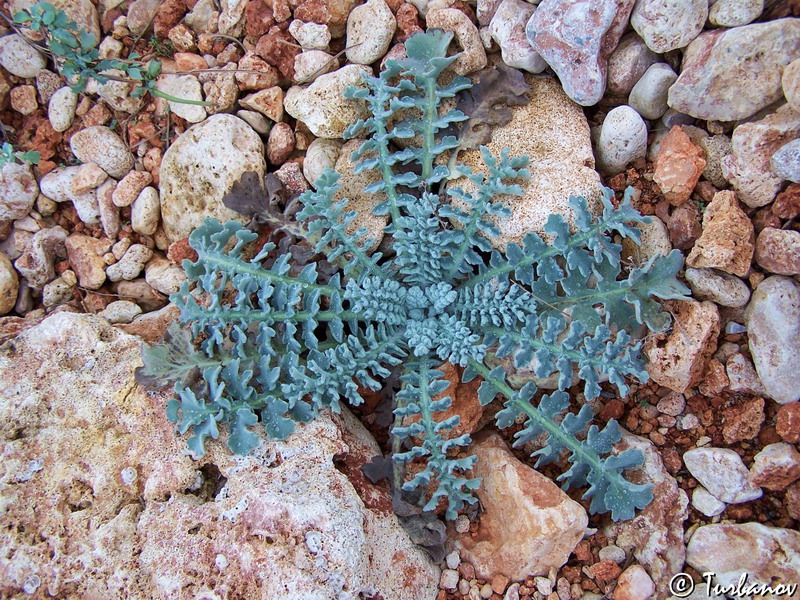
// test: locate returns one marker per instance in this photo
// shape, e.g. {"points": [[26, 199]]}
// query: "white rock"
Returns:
{"points": [[19, 57], [145, 211], [321, 154], [723, 288], [654, 240], [130, 265], [201, 167], [472, 56], [322, 105], [370, 28], [786, 161], [311, 36], [623, 139], [186, 87], [669, 24], [117, 94], [733, 13], [61, 109], [57, 185], [256, 120], [612, 553], [649, 96], [707, 504], [310, 64], [507, 28], [773, 329], [9, 285], [776, 466], [742, 376], [98, 144], [723, 474], [56, 292], [18, 191], [164, 276], [449, 579], [120, 311]]}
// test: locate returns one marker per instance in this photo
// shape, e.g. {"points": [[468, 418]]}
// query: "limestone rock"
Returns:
{"points": [[309, 65], [473, 55], [130, 186], [727, 242], [786, 161], [669, 24], [9, 285], [773, 331], [722, 472], [748, 166], [634, 584], [765, 554], [730, 74], [679, 164], [18, 191], [552, 131], [776, 466], [707, 504], [655, 534], [626, 65], [98, 144], [576, 37], [120, 311], [322, 106], [677, 360], [61, 108], [351, 185], [743, 378], [321, 154], [778, 251], [507, 28], [649, 96], [200, 168], [529, 525], [185, 87], [788, 422], [282, 523], [623, 139], [57, 185], [19, 58], [790, 83], [36, 264], [370, 28], [145, 211], [85, 255], [721, 288], [735, 13]]}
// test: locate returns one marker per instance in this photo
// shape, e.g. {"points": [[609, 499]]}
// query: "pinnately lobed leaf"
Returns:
{"points": [[268, 347]]}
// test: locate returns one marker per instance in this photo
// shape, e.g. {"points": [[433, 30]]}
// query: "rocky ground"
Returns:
{"points": [[694, 104]]}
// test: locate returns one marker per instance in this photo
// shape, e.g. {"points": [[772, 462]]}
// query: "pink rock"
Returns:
{"points": [[778, 251], [727, 242], [576, 37], [776, 466], [655, 534], [788, 422], [508, 30], [679, 164], [669, 24], [280, 143], [730, 74], [85, 256], [677, 360], [634, 584], [627, 63], [129, 187], [18, 191], [529, 525], [748, 166]]}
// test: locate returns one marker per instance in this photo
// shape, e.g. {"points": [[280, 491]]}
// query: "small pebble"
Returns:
{"points": [[707, 504], [131, 264], [649, 96], [146, 211], [623, 139], [120, 311], [61, 109]]}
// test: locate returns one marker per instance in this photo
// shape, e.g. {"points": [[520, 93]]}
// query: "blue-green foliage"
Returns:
{"points": [[275, 348]]}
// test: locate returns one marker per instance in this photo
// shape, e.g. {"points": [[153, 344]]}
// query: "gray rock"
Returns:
{"points": [[723, 288], [730, 74], [19, 57], [790, 83], [786, 161], [669, 24], [200, 168], [773, 330], [370, 28], [649, 96], [120, 311], [717, 147], [722, 472], [623, 139]]}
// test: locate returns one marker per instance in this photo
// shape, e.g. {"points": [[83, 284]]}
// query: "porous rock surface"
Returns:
{"points": [[199, 169], [99, 493], [553, 132]]}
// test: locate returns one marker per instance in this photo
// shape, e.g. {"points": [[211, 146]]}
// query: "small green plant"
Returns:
{"points": [[78, 59], [273, 343], [9, 155]]}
